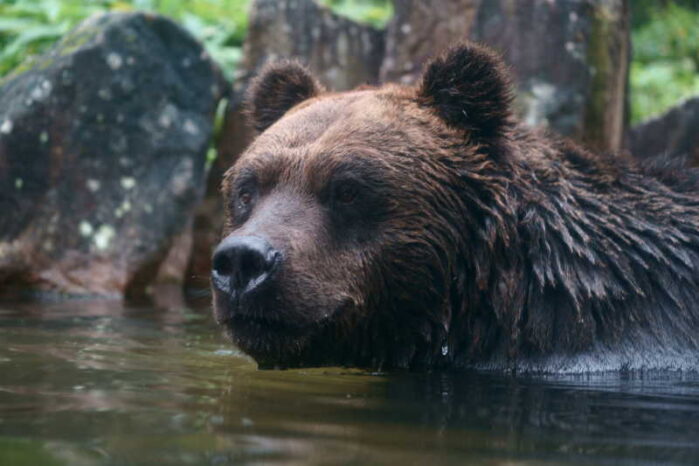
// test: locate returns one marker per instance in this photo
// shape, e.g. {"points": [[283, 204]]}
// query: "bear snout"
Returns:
{"points": [[243, 264]]}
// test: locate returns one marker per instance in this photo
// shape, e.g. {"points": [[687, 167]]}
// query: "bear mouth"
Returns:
{"points": [[256, 325], [271, 338], [272, 343], [255, 309]]}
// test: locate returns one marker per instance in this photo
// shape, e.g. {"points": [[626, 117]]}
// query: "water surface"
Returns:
{"points": [[97, 383]]}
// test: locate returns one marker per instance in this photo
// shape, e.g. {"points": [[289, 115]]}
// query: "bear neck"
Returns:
{"points": [[571, 254]]}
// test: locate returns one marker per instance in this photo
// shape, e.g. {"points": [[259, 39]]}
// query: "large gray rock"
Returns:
{"points": [[675, 133], [342, 52], [570, 57], [102, 155]]}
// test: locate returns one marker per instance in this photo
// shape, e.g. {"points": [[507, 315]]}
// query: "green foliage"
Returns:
{"points": [[29, 27], [665, 66], [656, 87], [219, 119], [221, 25], [373, 12], [644, 11]]}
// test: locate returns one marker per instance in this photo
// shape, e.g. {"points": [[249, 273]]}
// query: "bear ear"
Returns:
{"points": [[469, 87], [277, 88]]}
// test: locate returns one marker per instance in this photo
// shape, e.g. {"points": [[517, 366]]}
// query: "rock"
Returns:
{"points": [[570, 58], [342, 53], [420, 30], [675, 133], [102, 155]]}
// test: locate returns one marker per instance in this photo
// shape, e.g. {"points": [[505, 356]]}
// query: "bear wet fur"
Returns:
{"points": [[425, 227]]}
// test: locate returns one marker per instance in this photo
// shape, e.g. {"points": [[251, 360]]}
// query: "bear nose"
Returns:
{"points": [[243, 263]]}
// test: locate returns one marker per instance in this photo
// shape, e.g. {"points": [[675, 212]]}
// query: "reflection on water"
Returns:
{"points": [[85, 383]]}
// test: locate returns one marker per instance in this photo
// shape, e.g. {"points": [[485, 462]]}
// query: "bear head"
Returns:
{"points": [[359, 224]]}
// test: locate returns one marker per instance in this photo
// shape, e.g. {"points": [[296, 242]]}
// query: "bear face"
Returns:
{"points": [[412, 227], [351, 199]]}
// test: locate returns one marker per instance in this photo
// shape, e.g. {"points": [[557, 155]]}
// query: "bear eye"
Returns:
{"points": [[242, 202], [244, 198], [346, 193]]}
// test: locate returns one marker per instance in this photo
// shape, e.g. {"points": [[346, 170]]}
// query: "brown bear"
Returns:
{"points": [[425, 227]]}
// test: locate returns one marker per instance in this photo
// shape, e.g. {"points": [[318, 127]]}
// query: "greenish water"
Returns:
{"points": [[94, 383]]}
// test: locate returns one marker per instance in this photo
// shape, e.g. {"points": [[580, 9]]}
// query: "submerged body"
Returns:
{"points": [[401, 227]]}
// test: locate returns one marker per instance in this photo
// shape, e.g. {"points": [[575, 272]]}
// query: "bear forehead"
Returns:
{"points": [[356, 120], [363, 133]]}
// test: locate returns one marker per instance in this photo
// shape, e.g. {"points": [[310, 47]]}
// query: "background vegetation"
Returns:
{"points": [[665, 36], [665, 64], [28, 27]]}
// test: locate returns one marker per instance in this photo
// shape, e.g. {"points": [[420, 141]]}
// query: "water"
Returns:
{"points": [[95, 383]]}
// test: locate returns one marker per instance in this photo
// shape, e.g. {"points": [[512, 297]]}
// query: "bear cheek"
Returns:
{"points": [[323, 286], [313, 277]]}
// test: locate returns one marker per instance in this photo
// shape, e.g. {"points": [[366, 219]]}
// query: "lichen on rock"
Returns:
{"points": [[73, 150]]}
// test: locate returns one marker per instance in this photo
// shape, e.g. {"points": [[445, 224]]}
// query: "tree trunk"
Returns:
{"points": [[570, 58]]}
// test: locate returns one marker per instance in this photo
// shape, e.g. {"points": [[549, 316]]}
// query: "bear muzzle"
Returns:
{"points": [[243, 266]]}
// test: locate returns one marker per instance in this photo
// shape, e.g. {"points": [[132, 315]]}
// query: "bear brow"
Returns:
{"points": [[244, 176], [354, 164], [348, 166], [264, 170]]}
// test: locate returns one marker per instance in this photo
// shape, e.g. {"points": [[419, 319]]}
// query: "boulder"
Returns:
{"points": [[675, 133], [103, 145], [342, 52], [570, 57]]}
